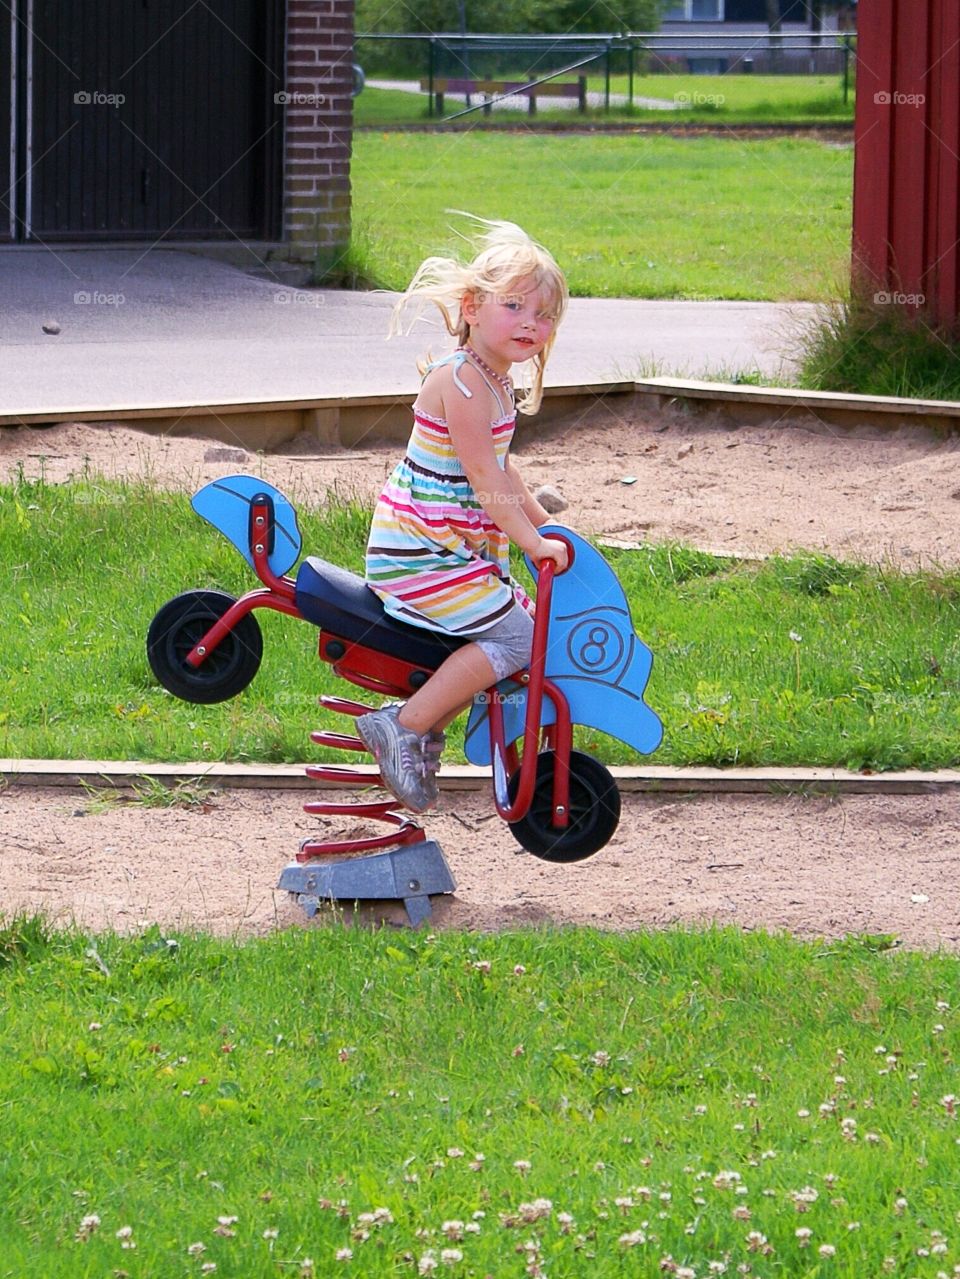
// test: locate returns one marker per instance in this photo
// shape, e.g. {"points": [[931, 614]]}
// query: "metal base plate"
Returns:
{"points": [[408, 874]]}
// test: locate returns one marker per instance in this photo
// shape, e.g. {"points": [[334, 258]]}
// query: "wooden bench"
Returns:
{"points": [[496, 88]]}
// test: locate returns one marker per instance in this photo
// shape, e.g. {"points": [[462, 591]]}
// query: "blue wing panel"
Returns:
{"points": [[593, 655], [225, 504]]}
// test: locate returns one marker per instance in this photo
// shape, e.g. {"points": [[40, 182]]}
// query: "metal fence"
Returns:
{"points": [[534, 60]]}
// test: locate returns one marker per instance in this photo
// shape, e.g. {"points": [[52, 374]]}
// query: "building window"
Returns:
{"points": [[695, 11]]}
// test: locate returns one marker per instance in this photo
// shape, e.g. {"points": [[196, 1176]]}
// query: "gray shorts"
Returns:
{"points": [[508, 644]]}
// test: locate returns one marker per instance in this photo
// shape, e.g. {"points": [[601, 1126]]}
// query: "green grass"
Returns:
{"points": [[733, 100], [880, 347], [581, 1103], [626, 215], [796, 661]]}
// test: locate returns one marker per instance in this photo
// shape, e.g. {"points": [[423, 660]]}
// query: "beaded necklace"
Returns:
{"points": [[502, 378]]}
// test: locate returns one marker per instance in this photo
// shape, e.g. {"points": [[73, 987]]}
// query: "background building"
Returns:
{"points": [[221, 123]]}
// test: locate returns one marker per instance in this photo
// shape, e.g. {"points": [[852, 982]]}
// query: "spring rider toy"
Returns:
{"points": [[587, 667]]}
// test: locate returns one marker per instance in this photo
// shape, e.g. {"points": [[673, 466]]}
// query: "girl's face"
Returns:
{"points": [[510, 327]]}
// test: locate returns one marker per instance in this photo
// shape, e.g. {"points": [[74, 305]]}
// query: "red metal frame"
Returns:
{"points": [[390, 676], [280, 593]]}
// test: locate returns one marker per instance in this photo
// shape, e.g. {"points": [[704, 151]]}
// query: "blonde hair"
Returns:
{"points": [[504, 256]]}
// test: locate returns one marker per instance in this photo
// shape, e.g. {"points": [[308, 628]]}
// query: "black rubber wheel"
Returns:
{"points": [[594, 810], [176, 629]]}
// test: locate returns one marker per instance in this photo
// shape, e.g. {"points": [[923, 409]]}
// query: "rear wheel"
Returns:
{"points": [[180, 625], [594, 810]]}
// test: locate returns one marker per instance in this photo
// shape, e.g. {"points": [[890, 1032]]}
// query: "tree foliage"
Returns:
{"points": [[551, 17]]}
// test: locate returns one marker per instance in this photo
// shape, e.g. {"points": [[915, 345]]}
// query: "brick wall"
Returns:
{"points": [[318, 122]]}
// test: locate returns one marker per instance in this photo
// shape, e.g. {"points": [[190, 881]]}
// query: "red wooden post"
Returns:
{"points": [[906, 186]]}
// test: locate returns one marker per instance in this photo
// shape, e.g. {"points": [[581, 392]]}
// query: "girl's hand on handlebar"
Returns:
{"points": [[550, 548]]}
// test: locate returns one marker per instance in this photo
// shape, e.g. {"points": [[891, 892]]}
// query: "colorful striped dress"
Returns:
{"points": [[435, 557]]}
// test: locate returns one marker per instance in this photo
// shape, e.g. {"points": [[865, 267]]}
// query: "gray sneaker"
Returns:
{"points": [[431, 747], [399, 753]]}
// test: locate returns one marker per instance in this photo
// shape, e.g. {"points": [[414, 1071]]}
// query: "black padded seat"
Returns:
{"points": [[342, 603]]}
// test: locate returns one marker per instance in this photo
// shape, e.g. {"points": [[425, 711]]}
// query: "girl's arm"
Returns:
{"points": [[468, 422], [531, 507]]}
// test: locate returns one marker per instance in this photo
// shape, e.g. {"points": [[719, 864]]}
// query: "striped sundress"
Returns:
{"points": [[435, 557]]}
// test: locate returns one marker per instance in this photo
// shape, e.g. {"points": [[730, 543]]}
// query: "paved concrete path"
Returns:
{"points": [[518, 102], [145, 328]]}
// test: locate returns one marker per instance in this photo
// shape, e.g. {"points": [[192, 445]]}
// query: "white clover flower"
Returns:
{"points": [[632, 1239], [344, 1254], [427, 1264], [803, 1235], [827, 1250], [601, 1058], [195, 1249], [535, 1211], [450, 1256], [88, 1225], [453, 1230], [803, 1198]]}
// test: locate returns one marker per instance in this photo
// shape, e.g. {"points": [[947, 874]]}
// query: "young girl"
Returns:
{"points": [[438, 554]]}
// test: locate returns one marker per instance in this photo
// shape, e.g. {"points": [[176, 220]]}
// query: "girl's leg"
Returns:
{"points": [[449, 690], [397, 735]]}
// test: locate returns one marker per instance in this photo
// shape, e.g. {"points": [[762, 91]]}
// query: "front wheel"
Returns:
{"points": [[180, 625], [594, 810]]}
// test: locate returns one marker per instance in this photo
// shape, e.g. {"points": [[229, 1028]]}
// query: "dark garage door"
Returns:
{"points": [[148, 119]]}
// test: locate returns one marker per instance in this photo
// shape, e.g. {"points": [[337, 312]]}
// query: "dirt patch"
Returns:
{"points": [[872, 494], [815, 867]]}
